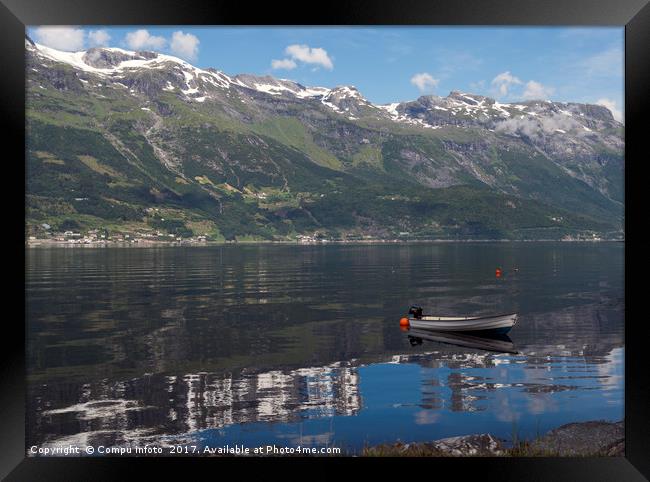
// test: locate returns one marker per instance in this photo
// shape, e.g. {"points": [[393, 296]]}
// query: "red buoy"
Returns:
{"points": [[404, 322]]}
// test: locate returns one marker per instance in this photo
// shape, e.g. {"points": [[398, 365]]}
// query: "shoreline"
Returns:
{"points": [[187, 243]]}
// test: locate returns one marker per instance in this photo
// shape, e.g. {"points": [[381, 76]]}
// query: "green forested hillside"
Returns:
{"points": [[134, 156]]}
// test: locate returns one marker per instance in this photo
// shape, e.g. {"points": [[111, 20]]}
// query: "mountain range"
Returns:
{"points": [[144, 142]]}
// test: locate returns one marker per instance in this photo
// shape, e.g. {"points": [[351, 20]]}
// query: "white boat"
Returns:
{"points": [[493, 324]]}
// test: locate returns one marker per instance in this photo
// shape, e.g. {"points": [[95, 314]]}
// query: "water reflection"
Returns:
{"points": [[497, 343], [203, 406], [263, 344], [109, 412]]}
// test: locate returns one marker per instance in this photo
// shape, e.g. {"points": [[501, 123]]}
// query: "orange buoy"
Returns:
{"points": [[404, 322], [498, 273]]}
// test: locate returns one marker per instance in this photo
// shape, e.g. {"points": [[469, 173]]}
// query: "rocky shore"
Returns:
{"points": [[583, 439]]}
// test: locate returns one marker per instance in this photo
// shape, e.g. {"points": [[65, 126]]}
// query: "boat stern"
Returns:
{"points": [[515, 319]]}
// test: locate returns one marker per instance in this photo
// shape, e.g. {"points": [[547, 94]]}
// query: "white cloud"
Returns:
{"points": [[286, 64], [142, 39], [426, 417], [611, 105], [537, 91], [477, 86], [452, 60], [424, 81], [504, 81], [97, 38], [536, 127], [308, 55], [61, 38], [606, 63], [185, 45]]}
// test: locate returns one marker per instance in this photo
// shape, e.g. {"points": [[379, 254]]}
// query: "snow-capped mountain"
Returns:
{"points": [[512, 148], [458, 108]]}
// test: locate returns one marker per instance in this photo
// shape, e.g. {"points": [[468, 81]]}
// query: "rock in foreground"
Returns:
{"points": [[463, 446], [594, 438], [586, 438]]}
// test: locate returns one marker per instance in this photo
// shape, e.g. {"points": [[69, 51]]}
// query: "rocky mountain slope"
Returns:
{"points": [[147, 142]]}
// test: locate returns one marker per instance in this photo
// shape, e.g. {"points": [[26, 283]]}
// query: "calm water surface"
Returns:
{"points": [[301, 344]]}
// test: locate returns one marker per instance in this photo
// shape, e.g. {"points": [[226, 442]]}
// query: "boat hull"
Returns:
{"points": [[498, 324]]}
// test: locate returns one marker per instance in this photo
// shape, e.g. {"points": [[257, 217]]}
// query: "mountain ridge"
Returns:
{"points": [[189, 129], [101, 59]]}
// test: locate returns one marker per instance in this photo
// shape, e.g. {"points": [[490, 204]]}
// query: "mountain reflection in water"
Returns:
{"points": [[260, 345]]}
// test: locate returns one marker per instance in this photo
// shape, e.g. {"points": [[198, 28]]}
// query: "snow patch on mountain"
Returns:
{"points": [[391, 109], [458, 108]]}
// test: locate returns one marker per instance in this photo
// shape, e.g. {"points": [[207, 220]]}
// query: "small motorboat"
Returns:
{"points": [[498, 343], [495, 324]]}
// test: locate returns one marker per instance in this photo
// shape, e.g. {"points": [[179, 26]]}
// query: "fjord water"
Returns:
{"points": [[301, 345]]}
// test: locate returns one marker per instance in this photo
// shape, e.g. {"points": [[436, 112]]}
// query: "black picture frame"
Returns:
{"points": [[15, 15]]}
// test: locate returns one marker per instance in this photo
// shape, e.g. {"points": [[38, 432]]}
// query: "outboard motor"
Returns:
{"points": [[416, 311]]}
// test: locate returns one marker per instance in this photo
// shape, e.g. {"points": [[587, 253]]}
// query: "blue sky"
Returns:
{"points": [[391, 64]]}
